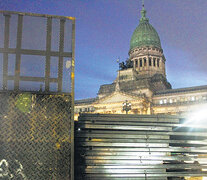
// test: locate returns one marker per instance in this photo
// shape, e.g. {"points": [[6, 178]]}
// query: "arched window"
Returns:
{"points": [[136, 62], [150, 61], [158, 62], [154, 59], [145, 62], [140, 62]]}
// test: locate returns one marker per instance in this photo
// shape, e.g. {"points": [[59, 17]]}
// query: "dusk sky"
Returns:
{"points": [[104, 29]]}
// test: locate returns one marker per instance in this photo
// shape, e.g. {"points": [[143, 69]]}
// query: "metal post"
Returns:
{"points": [[72, 97], [6, 46], [48, 49], [61, 49], [18, 52], [119, 74], [118, 61]]}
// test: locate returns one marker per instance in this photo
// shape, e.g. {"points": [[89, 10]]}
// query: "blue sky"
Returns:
{"points": [[104, 29]]}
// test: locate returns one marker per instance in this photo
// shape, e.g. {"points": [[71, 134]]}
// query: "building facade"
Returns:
{"points": [[141, 82]]}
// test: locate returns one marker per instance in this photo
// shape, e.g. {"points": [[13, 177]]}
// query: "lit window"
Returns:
{"points": [[165, 101], [161, 102], [193, 98], [171, 101]]}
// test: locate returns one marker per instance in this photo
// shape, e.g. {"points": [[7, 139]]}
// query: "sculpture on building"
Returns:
{"points": [[125, 65]]}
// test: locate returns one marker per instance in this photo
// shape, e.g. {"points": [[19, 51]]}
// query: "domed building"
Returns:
{"points": [[141, 86], [145, 49]]}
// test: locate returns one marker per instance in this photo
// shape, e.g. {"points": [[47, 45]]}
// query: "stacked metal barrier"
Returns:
{"points": [[138, 147]]}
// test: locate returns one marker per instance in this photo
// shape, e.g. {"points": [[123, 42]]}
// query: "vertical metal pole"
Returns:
{"points": [[18, 54], [48, 50], [61, 49], [6, 46], [72, 96], [119, 75], [118, 61]]}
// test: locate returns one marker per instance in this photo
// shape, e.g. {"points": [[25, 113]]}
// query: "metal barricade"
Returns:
{"points": [[141, 147], [36, 96], [35, 136]]}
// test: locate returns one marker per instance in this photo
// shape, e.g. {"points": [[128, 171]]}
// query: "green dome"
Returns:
{"points": [[144, 34]]}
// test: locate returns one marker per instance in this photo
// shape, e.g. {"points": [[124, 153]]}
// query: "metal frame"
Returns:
{"points": [[18, 51], [73, 95]]}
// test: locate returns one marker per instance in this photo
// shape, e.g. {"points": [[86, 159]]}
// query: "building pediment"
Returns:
{"points": [[117, 97]]}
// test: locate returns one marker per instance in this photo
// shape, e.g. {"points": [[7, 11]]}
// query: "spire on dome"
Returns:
{"points": [[143, 13]]}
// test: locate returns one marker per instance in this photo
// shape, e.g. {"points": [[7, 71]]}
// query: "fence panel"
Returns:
{"points": [[36, 96]]}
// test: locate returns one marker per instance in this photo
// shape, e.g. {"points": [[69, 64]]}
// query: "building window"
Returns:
{"points": [[92, 109], [171, 101], [150, 61], [140, 62], [154, 62], [80, 110], [145, 62], [136, 63], [193, 98], [161, 101], [165, 101], [158, 62]]}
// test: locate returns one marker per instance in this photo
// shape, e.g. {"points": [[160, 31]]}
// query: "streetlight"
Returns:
{"points": [[126, 106]]}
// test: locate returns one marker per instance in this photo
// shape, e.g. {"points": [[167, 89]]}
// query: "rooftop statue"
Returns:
{"points": [[125, 65]]}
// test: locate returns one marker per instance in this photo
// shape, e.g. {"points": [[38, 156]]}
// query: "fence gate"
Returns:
{"points": [[140, 147], [36, 96]]}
